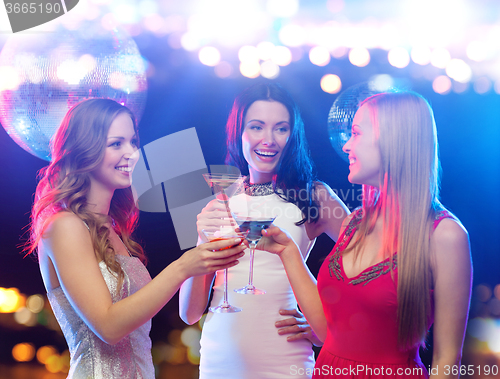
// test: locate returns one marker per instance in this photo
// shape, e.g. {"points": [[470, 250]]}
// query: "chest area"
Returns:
{"points": [[355, 261], [373, 290]]}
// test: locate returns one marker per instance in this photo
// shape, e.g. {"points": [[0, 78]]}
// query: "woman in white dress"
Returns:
{"points": [[82, 221], [269, 338]]}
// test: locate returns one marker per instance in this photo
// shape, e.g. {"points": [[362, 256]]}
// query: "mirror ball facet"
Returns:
{"points": [[342, 112], [49, 72]]}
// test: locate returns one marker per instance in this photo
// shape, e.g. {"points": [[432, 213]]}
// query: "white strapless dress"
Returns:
{"points": [[246, 345]]}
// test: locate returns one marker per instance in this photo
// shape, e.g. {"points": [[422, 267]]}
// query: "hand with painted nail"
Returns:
{"points": [[296, 327], [214, 216]]}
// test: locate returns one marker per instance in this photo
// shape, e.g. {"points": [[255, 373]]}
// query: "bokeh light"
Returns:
{"points": [[496, 291], [54, 363], [23, 352], [190, 42], [35, 303], [265, 50], [250, 69], [398, 57], [269, 70], [190, 336], [440, 57], [441, 85], [486, 330], [177, 352], [223, 70], [24, 316], [478, 50], [155, 23], [339, 52], [10, 300], [482, 85], [331, 83], [292, 35], [497, 87], [482, 292], [44, 353], [248, 54], [283, 8], [459, 70], [421, 55], [359, 56], [460, 87], [382, 82], [209, 56], [427, 29], [319, 56], [282, 56]]}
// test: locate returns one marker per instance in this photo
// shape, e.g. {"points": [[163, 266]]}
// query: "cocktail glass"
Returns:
{"points": [[219, 235], [253, 225], [224, 185]]}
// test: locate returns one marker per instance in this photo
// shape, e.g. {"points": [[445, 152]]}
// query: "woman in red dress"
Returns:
{"points": [[402, 262]]}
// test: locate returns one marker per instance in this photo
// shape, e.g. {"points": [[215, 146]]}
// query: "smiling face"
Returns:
{"points": [[265, 135], [363, 150], [115, 170]]}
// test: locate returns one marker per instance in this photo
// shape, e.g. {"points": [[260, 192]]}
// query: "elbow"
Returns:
{"points": [[191, 307], [110, 338], [109, 335], [188, 317], [321, 337]]}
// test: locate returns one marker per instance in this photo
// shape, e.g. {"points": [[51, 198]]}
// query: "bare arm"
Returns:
{"points": [[331, 213], [195, 291], [302, 281], [193, 297], [452, 273], [67, 243], [296, 326]]}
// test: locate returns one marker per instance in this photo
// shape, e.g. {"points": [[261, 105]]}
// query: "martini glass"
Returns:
{"points": [[253, 225], [219, 235], [224, 185]]}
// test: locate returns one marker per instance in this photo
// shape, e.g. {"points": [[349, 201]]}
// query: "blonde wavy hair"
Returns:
{"points": [[407, 201], [77, 149]]}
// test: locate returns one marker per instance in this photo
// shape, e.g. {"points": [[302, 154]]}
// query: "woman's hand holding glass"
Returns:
{"points": [[211, 256], [277, 241], [213, 217]]}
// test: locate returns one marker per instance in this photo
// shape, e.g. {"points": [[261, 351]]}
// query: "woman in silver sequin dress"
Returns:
{"points": [[269, 338], [82, 220]]}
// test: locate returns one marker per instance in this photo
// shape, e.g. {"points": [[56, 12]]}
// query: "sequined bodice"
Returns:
{"points": [[91, 357]]}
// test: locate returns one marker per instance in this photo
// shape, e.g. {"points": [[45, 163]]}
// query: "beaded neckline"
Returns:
{"points": [[372, 272], [258, 189]]}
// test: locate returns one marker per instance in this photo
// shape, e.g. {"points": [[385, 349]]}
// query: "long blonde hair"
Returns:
{"points": [[77, 149], [407, 201]]}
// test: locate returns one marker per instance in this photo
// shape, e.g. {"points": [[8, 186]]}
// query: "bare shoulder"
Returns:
{"points": [[327, 198], [64, 223], [65, 231], [332, 211], [323, 192], [347, 220], [450, 242], [450, 232]]}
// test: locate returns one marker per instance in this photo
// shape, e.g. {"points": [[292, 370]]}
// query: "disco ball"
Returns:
{"points": [[42, 75], [342, 113]]}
